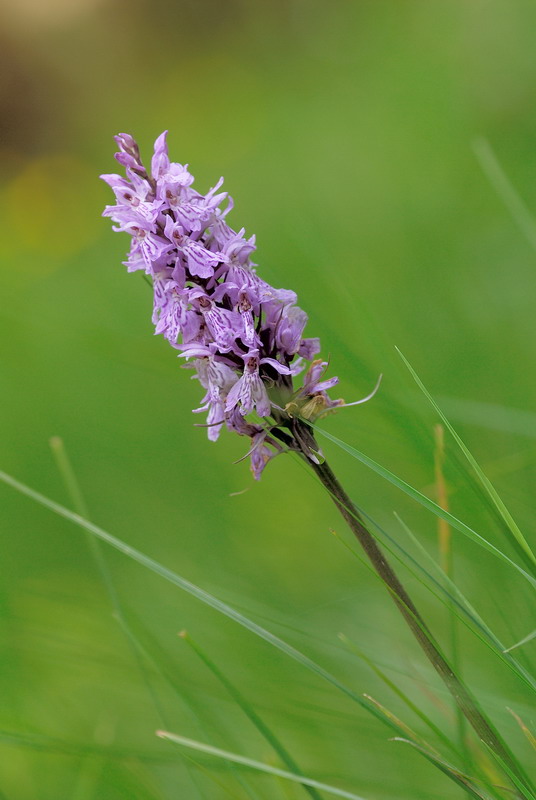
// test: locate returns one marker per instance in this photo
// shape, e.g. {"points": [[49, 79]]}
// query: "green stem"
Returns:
{"points": [[463, 697]]}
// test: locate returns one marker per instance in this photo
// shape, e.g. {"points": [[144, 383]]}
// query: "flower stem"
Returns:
{"points": [[462, 695]]}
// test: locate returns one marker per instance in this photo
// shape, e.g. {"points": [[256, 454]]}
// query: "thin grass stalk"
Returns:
{"points": [[74, 491], [466, 613], [446, 561], [256, 765], [463, 697], [506, 520], [248, 710], [66, 470], [442, 737], [526, 730], [462, 780]]}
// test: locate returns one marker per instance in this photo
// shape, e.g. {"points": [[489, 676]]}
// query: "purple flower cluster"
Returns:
{"points": [[243, 337]]}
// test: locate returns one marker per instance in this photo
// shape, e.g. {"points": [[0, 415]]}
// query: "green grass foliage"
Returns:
{"points": [[385, 155]]}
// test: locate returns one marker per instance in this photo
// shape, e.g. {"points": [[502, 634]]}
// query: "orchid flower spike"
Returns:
{"points": [[243, 337]]}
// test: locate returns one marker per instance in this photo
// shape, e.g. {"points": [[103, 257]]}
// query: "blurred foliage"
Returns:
{"points": [[345, 133]]}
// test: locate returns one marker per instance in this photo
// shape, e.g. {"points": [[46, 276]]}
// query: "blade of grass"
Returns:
{"points": [[400, 724], [525, 640], [50, 744], [468, 615], [519, 542], [505, 189], [458, 777], [528, 733], [255, 765], [443, 529], [399, 693], [432, 755], [73, 488], [447, 564], [157, 666], [139, 653], [426, 502], [91, 770], [480, 628], [463, 696], [250, 713], [167, 669], [454, 598], [520, 785], [490, 639], [429, 753]]}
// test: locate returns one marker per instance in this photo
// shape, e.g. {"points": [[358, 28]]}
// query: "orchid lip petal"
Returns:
{"points": [[281, 368]]}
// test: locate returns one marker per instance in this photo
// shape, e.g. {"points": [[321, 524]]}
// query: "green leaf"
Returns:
{"points": [[504, 188]]}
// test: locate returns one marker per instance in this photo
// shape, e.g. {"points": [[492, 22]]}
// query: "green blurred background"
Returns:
{"points": [[346, 134]]}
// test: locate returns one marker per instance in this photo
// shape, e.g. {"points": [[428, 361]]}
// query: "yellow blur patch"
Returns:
{"points": [[51, 210], [26, 14]]}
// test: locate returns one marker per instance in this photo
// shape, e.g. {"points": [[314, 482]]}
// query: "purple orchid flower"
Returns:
{"points": [[243, 336]]}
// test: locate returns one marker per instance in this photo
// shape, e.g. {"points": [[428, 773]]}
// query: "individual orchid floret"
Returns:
{"points": [[217, 378], [245, 304], [224, 326], [263, 446], [263, 449], [288, 333], [172, 315], [312, 384], [235, 246], [309, 348], [243, 337], [250, 391]]}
